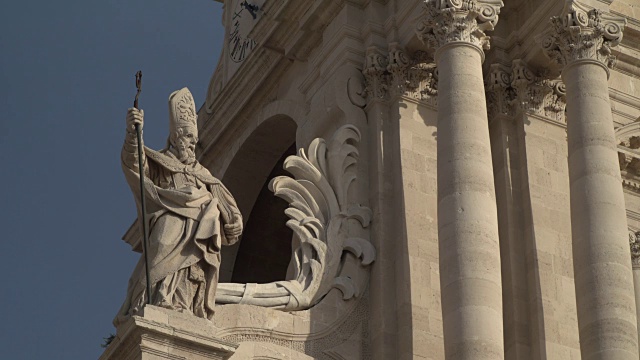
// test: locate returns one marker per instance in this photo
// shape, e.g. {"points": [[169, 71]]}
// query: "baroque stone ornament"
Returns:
{"points": [[500, 94], [582, 34], [537, 94], [190, 216], [517, 87], [446, 21], [319, 214], [634, 243], [397, 74], [628, 138], [375, 74]]}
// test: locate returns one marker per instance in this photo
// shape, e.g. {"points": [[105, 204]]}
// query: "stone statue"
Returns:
{"points": [[189, 212]]}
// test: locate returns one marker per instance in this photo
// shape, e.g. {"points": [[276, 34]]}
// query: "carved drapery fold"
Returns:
{"points": [[582, 34], [446, 21], [398, 74]]}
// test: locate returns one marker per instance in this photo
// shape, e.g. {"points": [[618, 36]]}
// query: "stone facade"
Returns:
{"points": [[465, 185]]}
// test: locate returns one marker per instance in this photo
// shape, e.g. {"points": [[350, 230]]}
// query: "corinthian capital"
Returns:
{"points": [[445, 21], [634, 243], [580, 33]]}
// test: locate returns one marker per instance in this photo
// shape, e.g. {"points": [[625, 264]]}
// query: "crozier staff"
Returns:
{"points": [[137, 121], [190, 215]]}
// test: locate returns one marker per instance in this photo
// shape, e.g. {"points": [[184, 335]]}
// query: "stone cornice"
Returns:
{"points": [[446, 21], [582, 34]]}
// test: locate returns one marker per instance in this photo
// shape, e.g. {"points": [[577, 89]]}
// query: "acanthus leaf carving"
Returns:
{"points": [[413, 76], [518, 87], [582, 33], [628, 138], [375, 74], [446, 21], [634, 244], [500, 94], [319, 212]]}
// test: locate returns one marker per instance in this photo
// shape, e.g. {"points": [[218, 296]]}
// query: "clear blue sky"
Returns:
{"points": [[66, 80]]}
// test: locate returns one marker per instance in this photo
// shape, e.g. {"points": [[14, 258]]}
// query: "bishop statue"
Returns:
{"points": [[189, 213]]}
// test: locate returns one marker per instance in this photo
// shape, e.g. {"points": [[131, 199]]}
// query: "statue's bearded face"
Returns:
{"points": [[183, 142]]}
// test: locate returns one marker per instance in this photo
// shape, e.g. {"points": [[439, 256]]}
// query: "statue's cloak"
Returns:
{"points": [[185, 226]]}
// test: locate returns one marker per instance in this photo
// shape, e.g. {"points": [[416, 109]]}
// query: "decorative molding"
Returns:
{"points": [[320, 214], [628, 138], [500, 94], [375, 74], [397, 74], [518, 87], [446, 21], [582, 34], [317, 347], [634, 244]]}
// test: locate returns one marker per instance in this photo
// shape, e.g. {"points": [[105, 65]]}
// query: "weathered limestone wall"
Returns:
{"points": [[547, 235], [418, 304]]}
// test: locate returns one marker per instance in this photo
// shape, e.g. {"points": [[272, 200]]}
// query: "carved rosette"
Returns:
{"points": [[581, 34], [634, 243], [446, 21], [411, 76], [321, 218], [518, 87]]}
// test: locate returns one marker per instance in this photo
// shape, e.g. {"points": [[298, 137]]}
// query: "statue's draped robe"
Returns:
{"points": [[187, 209]]}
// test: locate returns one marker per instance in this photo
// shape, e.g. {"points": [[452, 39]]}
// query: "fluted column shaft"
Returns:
{"points": [[469, 251], [580, 42]]}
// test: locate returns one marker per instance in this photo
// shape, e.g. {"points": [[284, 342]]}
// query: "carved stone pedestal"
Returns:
{"points": [[165, 334]]}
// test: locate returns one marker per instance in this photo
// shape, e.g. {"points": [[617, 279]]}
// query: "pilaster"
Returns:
{"points": [[401, 99]]}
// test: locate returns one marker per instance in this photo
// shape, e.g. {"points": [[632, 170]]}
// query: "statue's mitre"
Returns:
{"points": [[182, 110]]}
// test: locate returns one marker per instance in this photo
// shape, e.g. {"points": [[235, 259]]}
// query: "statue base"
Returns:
{"points": [[160, 333]]}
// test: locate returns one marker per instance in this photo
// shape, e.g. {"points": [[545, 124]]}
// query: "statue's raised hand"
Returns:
{"points": [[134, 116]]}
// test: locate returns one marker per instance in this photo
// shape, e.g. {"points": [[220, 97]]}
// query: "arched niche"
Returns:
{"points": [[265, 248]]}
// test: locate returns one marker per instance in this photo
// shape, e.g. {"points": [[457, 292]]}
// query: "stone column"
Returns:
{"points": [[470, 275], [580, 41]]}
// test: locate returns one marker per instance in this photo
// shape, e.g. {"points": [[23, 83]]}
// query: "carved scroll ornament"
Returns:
{"points": [[581, 34], [320, 216], [445, 21]]}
